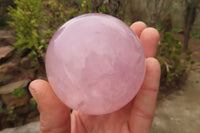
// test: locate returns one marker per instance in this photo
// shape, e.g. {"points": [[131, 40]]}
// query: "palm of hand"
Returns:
{"points": [[117, 122], [135, 117]]}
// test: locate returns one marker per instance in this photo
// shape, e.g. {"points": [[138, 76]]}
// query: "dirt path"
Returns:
{"points": [[180, 111]]}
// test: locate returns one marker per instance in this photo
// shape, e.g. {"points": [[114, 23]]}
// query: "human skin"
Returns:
{"points": [[135, 117]]}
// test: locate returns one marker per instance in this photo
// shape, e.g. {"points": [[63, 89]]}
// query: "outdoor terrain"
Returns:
{"points": [[178, 106], [177, 112], [180, 111]]}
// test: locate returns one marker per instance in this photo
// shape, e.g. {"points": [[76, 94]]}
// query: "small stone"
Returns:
{"points": [[24, 109], [11, 101], [9, 67], [5, 52], [36, 118], [18, 122], [33, 116], [7, 72], [7, 89], [5, 79], [4, 34], [33, 127], [26, 62], [6, 38]]}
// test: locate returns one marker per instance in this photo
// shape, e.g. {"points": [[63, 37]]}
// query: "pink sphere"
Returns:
{"points": [[95, 64]]}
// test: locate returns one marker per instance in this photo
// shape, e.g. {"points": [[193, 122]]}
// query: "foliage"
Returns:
{"points": [[33, 103], [54, 17], [72, 13], [121, 14], [18, 92], [9, 113], [35, 22], [195, 33], [103, 9], [85, 6], [26, 20], [160, 27], [173, 63], [127, 22], [89, 6], [176, 29]]}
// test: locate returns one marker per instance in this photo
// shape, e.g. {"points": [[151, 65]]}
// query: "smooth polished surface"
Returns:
{"points": [[95, 64]]}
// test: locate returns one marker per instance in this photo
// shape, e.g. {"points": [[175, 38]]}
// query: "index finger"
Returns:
{"points": [[149, 38]]}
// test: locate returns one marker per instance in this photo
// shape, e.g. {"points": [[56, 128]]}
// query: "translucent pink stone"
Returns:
{"points": [[95, 64]]}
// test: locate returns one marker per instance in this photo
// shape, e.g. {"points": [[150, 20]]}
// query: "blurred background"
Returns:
{"points": [[26, 27]]}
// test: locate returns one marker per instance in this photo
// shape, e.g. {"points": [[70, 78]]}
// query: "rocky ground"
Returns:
{"points": [[180, 111], [28, 128], [16, 105]]}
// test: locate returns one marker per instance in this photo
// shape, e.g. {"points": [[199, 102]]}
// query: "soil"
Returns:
{"points": [[179, 112], [194, 46]]}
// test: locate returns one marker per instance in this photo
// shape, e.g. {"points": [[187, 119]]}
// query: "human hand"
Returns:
{"points": [[135, 117]]}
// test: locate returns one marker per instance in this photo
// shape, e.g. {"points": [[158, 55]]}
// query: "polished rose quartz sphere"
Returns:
{"points": [[95, 64]]}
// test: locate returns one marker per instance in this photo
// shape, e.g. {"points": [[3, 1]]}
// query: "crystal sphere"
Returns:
{"points": [[95, 64]]}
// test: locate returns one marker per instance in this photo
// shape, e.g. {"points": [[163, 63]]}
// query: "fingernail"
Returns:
{"points": [[33, 90]]}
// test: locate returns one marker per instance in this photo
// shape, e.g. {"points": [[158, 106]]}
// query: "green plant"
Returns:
{"points": [[33, 103], [85, 7], [26, 21], [72, 12], [54, 15], [18, 92], [195, 33], [176, 29], [121, 13], [173, 62], [89, 6], [8, 113], [11, 116], [127, 22], [103, 9], [160, 27], [3, 111]]}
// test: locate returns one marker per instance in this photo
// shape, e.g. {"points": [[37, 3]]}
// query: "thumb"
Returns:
{"points": [[54, 115]]}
